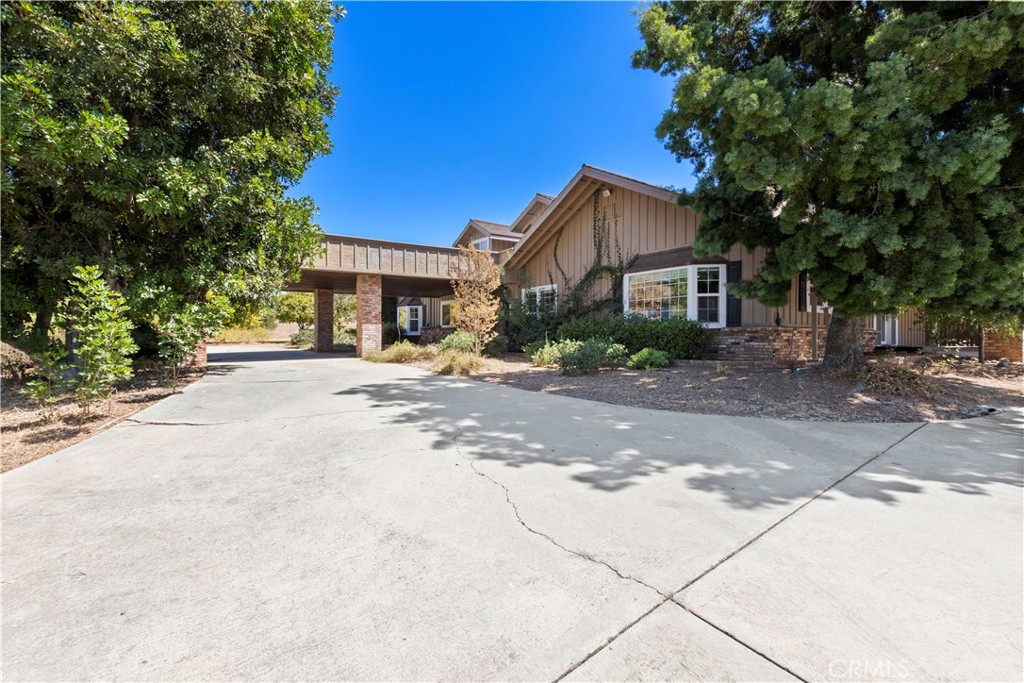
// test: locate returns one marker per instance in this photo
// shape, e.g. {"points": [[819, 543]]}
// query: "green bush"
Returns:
{"points": [[677, 338], [458, 341], [345, 336], [616, 355], [549, 352], [303, 339], [456, 362], [591, 355], [496, 346], [402, 352], [649, 359], [522, 327]]}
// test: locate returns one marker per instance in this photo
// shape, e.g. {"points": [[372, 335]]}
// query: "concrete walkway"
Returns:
{"points": [[300, 516]]}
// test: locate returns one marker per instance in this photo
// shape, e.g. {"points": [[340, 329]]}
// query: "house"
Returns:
{"points": [[558, 250], [601, 218]]}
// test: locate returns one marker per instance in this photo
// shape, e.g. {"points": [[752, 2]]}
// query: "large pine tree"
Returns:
{"points": [[878, 147]]}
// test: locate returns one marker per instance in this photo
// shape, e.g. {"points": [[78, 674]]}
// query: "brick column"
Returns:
{"points": [[368, 326], [198, 357], [323, 328]]}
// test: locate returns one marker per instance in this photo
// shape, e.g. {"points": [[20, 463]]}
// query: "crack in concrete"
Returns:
{"points": [[519, 518]]}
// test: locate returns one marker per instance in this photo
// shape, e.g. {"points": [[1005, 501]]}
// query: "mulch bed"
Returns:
{"points": [[26, 436], [894, 388]]}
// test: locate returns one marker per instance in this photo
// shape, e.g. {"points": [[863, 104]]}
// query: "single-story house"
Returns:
{"points": [[601, 217]]}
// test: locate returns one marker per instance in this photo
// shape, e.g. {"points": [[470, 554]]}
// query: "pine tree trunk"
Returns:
{"points": [[843, 344]]}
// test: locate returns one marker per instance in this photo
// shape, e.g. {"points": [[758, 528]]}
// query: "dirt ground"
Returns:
{"points": [[25, 436], [894, 388]]}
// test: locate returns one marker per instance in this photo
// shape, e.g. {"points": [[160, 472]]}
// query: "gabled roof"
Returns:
{"points": [[488, 228], [533, 207], [586, 180]]}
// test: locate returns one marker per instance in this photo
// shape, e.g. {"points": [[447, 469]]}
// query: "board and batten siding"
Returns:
{"points": [[641, 224]]}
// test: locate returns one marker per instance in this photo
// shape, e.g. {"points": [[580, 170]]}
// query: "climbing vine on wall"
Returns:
{"points": [[579, 298]]}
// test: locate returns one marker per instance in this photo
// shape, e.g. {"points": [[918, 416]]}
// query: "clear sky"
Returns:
{"points": [[451, 111]]}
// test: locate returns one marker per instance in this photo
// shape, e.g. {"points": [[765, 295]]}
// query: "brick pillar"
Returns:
{"points": [[198, 357], [368, 326], [323, 328]]}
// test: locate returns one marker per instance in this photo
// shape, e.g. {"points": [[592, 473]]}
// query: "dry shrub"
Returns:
{"points": [[460, 363], [243, 335], [402, 352], [14, 362], [897, 380]]}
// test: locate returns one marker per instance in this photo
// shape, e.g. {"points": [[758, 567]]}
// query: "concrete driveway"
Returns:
{"points": [[294, 516]]}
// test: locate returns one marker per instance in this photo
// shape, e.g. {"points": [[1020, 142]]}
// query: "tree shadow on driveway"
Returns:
{"points": [[748, 462]]}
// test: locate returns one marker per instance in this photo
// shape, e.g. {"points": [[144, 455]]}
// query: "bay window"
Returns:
{"points": [[694, 292]]}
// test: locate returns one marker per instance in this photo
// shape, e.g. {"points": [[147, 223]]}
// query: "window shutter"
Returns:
{"points": [[733, 304], [801, 292]]}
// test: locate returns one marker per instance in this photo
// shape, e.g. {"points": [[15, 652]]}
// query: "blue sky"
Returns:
{"points": [[451, 111]]}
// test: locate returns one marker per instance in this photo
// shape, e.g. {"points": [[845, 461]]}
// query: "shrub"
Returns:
{"points": [[402, 352], [677, 338], [580, 358], [496, 346], [549, 352], [346, 336], [525, 328], [458, 341], [649, 359], [98, 317], [456, 362], [47, 381], [14, 362], [181, 325], [615, 355], [303, 339]]}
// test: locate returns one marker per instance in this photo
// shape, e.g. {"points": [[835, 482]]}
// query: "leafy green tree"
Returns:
{"points": [[295, 307], [877, 147], [181, 325], [102, 343], [157, 140]]}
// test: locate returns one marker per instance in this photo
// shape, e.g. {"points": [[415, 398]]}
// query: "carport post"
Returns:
{"points": [[368, 325], [323, 303]]}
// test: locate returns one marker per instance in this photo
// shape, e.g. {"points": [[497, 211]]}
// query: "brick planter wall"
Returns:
{"points": [[368, 303], [434, 334], [770, 345], [1011, 348]]}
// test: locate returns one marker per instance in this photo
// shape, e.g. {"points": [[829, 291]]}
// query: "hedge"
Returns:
{"points": [[677, 338]]}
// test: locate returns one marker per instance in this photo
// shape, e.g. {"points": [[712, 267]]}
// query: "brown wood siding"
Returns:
{"points": [[641, 224]]}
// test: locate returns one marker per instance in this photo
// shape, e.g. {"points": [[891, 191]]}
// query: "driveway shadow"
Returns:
{"points": [[749, 462]]}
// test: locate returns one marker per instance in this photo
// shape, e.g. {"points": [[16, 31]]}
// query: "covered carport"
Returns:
{"points": [[371, 269]]}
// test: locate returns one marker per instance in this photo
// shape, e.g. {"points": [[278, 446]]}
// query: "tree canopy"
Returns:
{"points": [[878, 147], [157, 140]]}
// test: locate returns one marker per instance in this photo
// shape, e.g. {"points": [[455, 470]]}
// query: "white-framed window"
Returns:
{"points": [[449, 311], [688, 293], [410, 320], [482, 244], [542, 297]]}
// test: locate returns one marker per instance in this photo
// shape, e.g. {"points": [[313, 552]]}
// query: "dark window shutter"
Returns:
{"points": [[801, 293], [733, 304]]}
